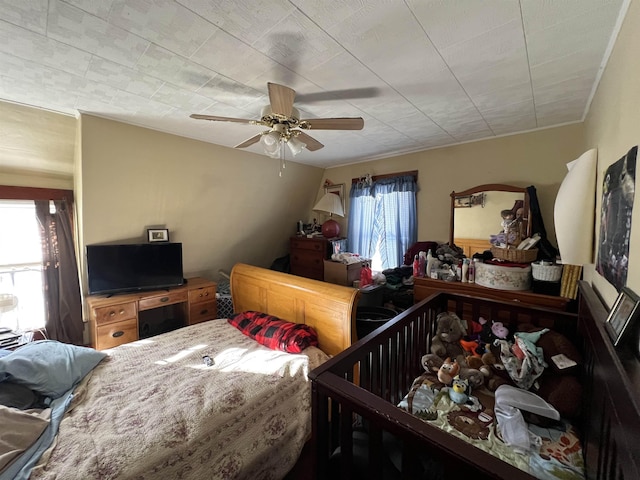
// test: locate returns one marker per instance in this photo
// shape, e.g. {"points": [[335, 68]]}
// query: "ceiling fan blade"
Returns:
{"points": [[281, 99], [355, 123], [249, 142], [346, 94], [311, 143], [221, 119]]}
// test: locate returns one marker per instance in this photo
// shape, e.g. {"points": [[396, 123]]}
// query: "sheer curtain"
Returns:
{"points": [[383, 219], [63, 304]]}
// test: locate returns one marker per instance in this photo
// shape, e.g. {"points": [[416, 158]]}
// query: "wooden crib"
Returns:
{"points": [[358, 390]]}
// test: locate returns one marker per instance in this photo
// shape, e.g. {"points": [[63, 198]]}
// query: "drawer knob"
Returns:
{"points": [[117, 334], [164, 299], [203, 312]]}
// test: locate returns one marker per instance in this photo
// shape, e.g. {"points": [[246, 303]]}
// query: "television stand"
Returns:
{"points": [[123, 318]]}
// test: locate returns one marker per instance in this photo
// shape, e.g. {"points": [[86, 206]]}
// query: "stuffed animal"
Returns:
{"points": [[446, 344], [448, 370], [559, 384], [493, 331], [493, 370], [449, 331], [459, 391]]}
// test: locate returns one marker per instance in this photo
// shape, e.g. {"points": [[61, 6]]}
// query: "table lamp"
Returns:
{"points": [[330, 203]]}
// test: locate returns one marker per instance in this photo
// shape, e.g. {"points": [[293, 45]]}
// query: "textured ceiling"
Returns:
{"points": [[422, 73]]}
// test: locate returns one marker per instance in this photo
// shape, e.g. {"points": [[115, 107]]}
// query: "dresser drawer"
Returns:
{"points": [[202, 294], [115, 313], [308, 259], [314, 244], [160, 300], [114, 334], [203, 311]]}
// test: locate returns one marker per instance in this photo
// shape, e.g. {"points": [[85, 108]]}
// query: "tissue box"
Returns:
{"points": [[340, 273], [503, 277]]}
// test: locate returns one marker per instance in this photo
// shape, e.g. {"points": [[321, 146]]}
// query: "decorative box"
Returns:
{"points": [[503, 277]]}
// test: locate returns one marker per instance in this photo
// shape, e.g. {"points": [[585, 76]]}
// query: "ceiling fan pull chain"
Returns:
{"points": [[282, 164]]}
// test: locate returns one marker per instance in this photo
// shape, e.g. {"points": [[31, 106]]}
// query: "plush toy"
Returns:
{"points": [[493, 370], [446, 344], [433, 363], [459, 391], [449, 331], [493, 331], [559, 384], [448, 370]]}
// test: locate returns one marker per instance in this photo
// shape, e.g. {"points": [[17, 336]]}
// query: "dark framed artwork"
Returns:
{"points": [[622, 316], [618, 190]]}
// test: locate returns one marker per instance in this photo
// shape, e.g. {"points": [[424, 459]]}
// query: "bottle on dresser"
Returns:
{"points": [[472, 270]]}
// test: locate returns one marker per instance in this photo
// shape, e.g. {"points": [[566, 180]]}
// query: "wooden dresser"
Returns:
{"points": [[423, 287], [122, 318], [308, 255]]}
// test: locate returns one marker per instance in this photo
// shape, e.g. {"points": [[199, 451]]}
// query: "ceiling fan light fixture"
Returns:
{"points": [[295, 146], [271, 144]]}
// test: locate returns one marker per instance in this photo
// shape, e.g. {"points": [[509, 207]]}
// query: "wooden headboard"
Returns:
{"points": [[330, 309]]}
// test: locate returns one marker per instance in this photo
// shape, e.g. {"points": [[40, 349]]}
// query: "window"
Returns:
{"points": [[21, 292], [382, 218], [37, 257]]}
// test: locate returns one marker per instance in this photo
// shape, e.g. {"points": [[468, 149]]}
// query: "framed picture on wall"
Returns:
{"points": [[158, 234], [623, 315], [338, 189]]}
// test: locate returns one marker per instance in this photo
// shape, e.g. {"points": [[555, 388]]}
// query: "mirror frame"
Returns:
{"points": [[486, 188]]}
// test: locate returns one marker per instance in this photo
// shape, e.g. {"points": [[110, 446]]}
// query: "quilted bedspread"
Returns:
{"points": [[155, 410]]}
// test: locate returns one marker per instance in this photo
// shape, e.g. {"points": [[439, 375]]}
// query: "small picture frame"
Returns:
{"points": [[158, 234], [338, 189], [622, 315]]}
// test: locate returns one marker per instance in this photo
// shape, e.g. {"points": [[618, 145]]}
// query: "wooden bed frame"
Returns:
{"points": [[330, 309], [363, 385]]}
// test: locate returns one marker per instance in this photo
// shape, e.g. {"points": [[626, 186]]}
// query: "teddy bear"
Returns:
{"points": [[449, 331], [490, 364], [446, 345], [559, 384]]}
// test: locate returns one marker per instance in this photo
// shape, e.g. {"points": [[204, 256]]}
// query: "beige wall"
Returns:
{"points": [[537, 158], [612, 127], [37, 147], [224, 205]]}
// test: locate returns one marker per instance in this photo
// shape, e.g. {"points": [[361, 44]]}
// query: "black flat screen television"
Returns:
{"points": [[113, 268]]}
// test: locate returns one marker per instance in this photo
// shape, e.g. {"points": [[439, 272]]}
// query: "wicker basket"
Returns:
{"points": [[514, 255], [546, 273]]}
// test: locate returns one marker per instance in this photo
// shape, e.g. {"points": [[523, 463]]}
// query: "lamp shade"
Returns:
{"points": [[271, 144], [574, 210], [295, 145], [330, 203]]}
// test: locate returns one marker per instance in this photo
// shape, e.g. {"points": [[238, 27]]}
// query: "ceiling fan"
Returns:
{"points": [[285, 125]]}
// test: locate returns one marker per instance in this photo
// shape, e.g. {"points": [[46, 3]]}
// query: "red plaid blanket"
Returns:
{"points": [[273, 332]]}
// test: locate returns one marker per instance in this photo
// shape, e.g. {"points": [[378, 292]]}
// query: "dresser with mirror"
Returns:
{"points": [[475, 216]]}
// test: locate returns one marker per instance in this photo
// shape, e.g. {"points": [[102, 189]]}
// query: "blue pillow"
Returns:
{"points": [[49, 367]]}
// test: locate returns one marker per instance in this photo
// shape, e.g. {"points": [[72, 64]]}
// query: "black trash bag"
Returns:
{"points": [[282, 264]]}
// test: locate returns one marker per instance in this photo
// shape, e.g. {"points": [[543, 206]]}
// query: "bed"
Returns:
{"points": [[204, 401], [359, 430]]}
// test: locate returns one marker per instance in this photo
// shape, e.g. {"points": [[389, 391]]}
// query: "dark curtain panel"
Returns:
{"points": [[546, 250], [63, 304]]}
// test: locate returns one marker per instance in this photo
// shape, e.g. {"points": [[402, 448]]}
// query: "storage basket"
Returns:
{"points": [[546, 272], [514, 255]]}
